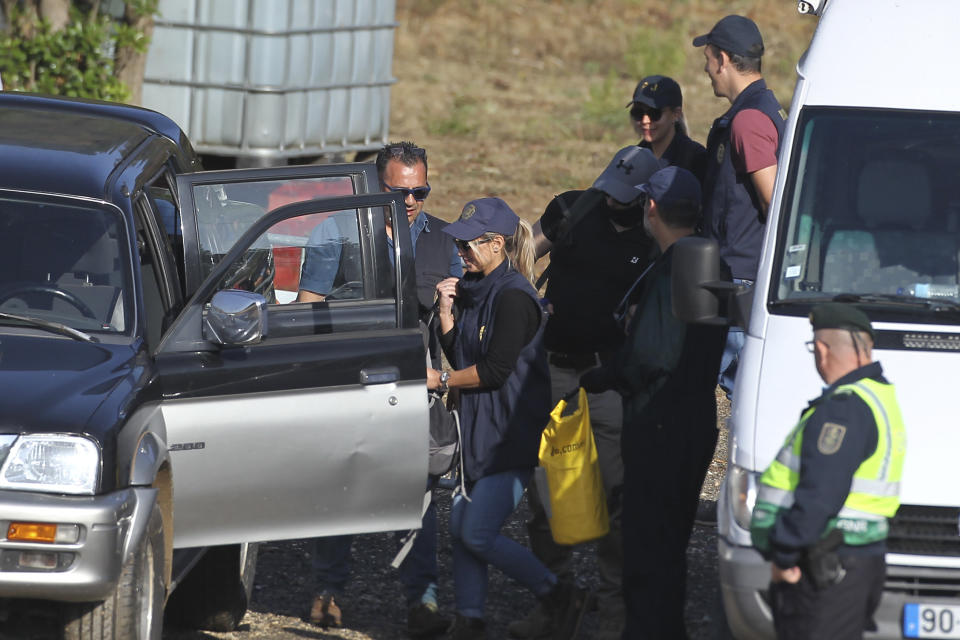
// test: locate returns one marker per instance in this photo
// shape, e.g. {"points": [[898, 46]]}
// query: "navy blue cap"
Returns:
{"points": [[734, 34], [631, 166], [657, 92], [484, 216], [673, 187]]}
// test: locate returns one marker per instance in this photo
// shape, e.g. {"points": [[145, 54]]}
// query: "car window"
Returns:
{"points": [[66, 263], [225, 211], [322, 253]]}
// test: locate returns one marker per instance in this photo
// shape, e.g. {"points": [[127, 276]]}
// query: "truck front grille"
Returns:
{"points": [[925, 531], [923, 582]]}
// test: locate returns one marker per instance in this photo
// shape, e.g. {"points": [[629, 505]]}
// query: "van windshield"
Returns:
{"points": [[872, 214]]}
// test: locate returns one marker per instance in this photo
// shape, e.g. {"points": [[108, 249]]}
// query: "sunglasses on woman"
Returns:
{"points": [[468, 245], [638, 111], [419, 193]]}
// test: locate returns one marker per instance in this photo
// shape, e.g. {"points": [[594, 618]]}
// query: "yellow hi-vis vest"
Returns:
{"points": [[874, 492]]}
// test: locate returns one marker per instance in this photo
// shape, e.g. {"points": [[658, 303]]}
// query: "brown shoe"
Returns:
{"points": [[325, 611]]}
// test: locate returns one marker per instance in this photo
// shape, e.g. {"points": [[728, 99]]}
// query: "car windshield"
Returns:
{"points": [[872, 214], [64, 263]]}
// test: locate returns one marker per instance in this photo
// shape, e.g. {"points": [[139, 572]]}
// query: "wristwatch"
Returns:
{"points": [[444, 378]]}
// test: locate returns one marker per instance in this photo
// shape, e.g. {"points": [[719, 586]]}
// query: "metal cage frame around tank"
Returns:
{"points": [[231, 109]]}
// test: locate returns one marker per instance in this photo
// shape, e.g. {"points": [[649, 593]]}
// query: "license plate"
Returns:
{"points": [[931, 621]]}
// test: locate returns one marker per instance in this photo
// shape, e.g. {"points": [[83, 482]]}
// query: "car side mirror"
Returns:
{"points": [[699, 294], [235, 318]]}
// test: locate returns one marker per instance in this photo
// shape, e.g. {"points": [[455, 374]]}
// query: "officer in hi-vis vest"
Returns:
{"points": [[823, 503]]}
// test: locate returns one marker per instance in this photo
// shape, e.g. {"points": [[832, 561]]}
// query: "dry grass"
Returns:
{"points": [[523, 99]]}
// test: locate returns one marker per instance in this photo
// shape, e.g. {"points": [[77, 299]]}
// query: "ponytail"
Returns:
{"points": [[519, 249]]}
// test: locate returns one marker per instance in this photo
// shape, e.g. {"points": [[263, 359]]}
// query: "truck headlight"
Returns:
{"points": [[53, 463], [742, 494]]}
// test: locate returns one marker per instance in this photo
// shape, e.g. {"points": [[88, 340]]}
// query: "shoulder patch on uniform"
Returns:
{"points": [[831, 437]]}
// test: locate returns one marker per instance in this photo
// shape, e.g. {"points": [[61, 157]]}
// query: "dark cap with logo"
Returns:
{"points": [[734, 34], [630, 167], [482, 216], [657, 92], [673, 187], [840, 315]]}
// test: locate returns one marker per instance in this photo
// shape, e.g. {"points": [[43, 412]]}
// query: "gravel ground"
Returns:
{"points": [[374, 607]]}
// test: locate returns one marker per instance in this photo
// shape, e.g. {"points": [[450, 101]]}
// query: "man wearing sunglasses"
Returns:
{"points": [[742, 151], [402, 168], [656, 112]]}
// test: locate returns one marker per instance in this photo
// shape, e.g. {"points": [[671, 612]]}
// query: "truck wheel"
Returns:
{"points": [[135, 609], [215, 594]]}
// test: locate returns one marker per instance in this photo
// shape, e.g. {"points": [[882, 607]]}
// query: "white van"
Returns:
{"points": [[866, 209]]}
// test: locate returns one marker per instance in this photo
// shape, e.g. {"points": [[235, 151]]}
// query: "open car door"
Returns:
{"points": [[318, 427]]}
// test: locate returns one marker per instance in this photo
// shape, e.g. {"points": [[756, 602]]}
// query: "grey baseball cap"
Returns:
{"points": [[630, 167]]}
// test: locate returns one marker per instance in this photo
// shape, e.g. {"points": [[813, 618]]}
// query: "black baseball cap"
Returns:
{"points": [[673, 187], [482, 216], [734, 34], [657, 92], [840, 315]]}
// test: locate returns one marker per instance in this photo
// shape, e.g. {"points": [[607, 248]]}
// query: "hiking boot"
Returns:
{"points": [[565, 605], [424, 620], [465, 628], [325, 611], [536, 624]]}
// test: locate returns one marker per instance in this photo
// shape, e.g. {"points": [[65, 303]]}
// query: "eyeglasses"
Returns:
{"points": [[810, 344], [419, 193], [468, 245], [638, 111]]}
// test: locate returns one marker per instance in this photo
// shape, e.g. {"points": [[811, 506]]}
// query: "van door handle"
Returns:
{"points": [[379, 376]]}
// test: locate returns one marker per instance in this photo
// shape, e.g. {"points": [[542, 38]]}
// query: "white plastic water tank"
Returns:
{"points": [[274, 79]]}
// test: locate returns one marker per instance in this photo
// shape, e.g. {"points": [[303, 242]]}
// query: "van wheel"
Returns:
{"points": [[718, 617], [215, 594], [135, 609]]}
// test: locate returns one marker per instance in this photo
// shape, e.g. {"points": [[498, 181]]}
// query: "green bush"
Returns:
{"points": [[77, 61]]}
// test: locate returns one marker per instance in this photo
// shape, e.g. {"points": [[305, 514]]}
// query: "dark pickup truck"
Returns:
{"points": [[166, 401]]}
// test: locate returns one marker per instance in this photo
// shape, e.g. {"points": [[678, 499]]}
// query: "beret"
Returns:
{"points": [[840, 315]]}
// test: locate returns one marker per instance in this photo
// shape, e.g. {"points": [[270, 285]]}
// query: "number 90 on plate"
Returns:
{"points": [[931, 621]]}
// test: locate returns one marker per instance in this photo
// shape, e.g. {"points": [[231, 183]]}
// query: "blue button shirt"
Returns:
{"points": [[324, 247]]}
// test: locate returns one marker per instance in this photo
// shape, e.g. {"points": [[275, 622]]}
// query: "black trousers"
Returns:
{"points": [[840, 612], [664, 467]]}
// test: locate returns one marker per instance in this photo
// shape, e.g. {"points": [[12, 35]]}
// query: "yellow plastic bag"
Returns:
{"points": [[568, 454]]}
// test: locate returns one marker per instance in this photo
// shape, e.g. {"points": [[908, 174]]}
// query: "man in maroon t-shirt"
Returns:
{"points": [[741, 157]]}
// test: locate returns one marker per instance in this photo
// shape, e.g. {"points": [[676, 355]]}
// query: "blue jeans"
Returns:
{"points": [[731, 352], [418, 571], [475, 529]]}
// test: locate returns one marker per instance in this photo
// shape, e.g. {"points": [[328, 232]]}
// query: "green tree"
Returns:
{"points": [[78, 48]]}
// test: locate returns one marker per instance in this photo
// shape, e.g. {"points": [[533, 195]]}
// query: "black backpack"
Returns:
{"points": [[444, 436]]}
